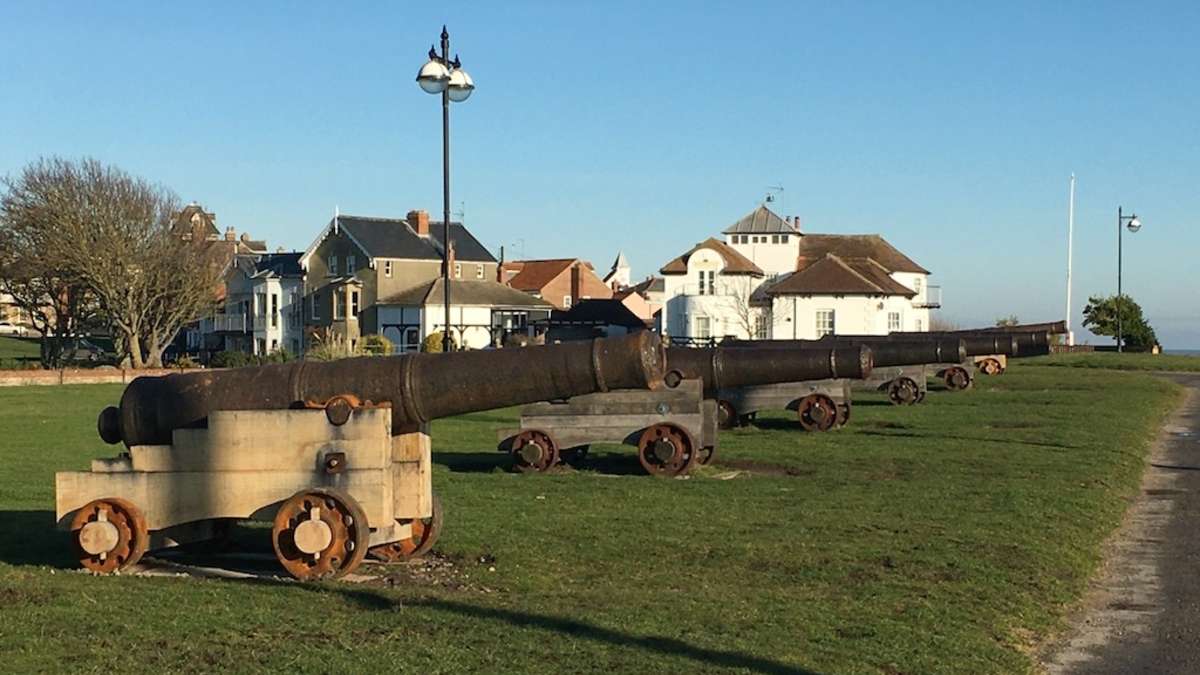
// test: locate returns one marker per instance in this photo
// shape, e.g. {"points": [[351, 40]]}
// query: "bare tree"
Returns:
{"points": [[746, 309], [937, 324], [58, 302], [112, 232]]}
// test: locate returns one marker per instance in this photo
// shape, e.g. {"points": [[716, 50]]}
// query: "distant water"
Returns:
{"points": [[1182, 352]]}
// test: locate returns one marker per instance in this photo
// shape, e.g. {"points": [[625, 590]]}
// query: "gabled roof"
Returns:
{"points": [[466, 292], [395, 238], [816, 246], [272, 265], [533, 275], [834, 275], [598, 312], [193, 218], [759, 221], [735, 263]]}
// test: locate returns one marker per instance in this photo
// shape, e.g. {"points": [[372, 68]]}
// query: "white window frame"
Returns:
{"points": [[338, 294], [479, 271], [333, 266], [894, 322], [917, 285], [761, 325], [566, 302], [457, 270], [354, 303], [387, 268], [316, 305], [821, 328], [696, 323], [350, 264]]}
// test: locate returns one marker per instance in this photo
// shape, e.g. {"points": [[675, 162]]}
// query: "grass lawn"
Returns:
{"points": [[1125, 361], [23, 349], [943, 538]]}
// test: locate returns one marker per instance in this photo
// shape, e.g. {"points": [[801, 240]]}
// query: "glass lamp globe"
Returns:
{"points": [[460, 86], [1134, 224], [433, 77]]}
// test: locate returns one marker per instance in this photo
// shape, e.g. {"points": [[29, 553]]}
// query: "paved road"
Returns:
{"points": [[1143, 616]]}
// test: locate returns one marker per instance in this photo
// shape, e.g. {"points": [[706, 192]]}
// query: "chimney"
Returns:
{"points": [[576, 282], [500, 268], [449, 270], [230, 234], [796, 222], [419, 221]]}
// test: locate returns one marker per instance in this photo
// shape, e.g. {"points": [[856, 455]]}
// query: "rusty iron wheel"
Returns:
{"points": [[425, 533], [705, 455], [109, 535], [817, 412], [843, 416], [903, 391], [957, 378], [320, 533], [534, 451], [727, 416], [990, 367], [666, 450]]}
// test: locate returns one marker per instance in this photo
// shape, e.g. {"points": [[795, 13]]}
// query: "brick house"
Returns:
{"points": [[561, 282]]}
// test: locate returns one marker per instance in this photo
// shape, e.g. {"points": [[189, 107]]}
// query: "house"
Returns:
{"points": [[619, 277], [367, 275], [560, 281], [262, 308], [767, 279], [593, 318], [644, 299]]}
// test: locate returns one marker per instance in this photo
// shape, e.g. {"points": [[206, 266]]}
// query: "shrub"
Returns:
{"points": [[433, 343], [230, 359], [186, 361], [375, 345]]}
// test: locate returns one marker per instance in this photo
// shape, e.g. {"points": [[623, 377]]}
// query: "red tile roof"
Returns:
{"points": [[735, 263], [814, 247], [833, 275]]}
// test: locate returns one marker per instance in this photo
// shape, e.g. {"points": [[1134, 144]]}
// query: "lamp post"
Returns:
{"points": [[1132, 222], [442, 76]]}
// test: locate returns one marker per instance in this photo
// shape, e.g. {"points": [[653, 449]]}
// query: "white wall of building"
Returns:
{"points": [[773, 253], [477, 319], [700, 306], [795, 317]]}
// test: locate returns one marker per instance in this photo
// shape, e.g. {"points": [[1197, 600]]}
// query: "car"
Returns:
{"points": [[7, 328], [83, 350]]}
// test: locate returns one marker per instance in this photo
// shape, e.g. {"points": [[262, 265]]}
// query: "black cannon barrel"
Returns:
{"points": [[884, 352], [1031, 339], [1009, 343], [419, 387], [721, 367]]}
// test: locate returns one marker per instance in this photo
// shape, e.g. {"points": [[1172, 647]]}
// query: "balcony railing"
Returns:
{"points": [[932, 299], [227, 323]]}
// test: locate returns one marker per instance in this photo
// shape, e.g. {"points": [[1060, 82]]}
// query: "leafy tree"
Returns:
{"points": [[433, 343], [1100, 317], [1010, 320]]}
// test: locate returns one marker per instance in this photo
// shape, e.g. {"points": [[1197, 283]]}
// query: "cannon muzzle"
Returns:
{"points": [[418, 387], [721, 367]]}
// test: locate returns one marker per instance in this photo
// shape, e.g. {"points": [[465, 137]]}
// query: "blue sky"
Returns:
{"points": [[950, 128]]}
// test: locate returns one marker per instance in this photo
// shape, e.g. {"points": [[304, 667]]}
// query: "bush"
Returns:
{"points": [[186, 361], [433, 343], [277, 356], [375, 345], [231, 359]]}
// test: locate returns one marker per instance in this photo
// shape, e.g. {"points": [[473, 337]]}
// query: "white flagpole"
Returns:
{"points": [[1070, 242]]}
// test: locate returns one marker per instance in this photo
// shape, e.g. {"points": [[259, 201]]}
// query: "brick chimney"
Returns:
{"points": [[576, 282], [419, 221], [230, 234]]}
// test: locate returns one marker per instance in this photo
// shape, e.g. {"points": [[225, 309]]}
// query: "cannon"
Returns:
{"points": [[336, 455], [674, 428], [899, 365], [1030, 340]]}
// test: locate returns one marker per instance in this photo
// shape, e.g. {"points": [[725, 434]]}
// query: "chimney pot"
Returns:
{"points": [[230, 234], [419, 221]]}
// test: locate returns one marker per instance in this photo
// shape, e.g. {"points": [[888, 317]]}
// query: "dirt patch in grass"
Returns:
{"points": [[448, 572], [765, 468]]}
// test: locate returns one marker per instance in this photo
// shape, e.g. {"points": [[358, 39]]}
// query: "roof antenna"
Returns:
{"points": [[774, 193]]}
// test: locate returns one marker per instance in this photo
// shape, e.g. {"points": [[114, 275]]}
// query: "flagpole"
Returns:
{"points": [[1070, 244]]}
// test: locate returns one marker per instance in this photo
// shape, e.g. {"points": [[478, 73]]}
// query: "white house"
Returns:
{"points": [[482, 313], [770, 280], [262, 311]]}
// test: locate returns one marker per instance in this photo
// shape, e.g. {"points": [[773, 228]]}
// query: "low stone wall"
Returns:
{"points": [[25, 378], [1072, 349]]}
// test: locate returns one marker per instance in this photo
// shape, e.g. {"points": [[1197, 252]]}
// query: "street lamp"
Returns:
{"points": [[442, 76], [1132, 222]]}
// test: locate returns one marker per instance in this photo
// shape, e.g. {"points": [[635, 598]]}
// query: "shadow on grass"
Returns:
{"points": [[609, 463], [31, 538], [1174, 467], [582, 630]]}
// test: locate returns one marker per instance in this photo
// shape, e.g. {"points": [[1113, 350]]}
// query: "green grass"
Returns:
{"points": [[1125, 361], [19, 349], [944, 538]]}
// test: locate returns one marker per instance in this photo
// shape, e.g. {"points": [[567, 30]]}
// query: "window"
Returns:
{"points": [[354, 304], [566, 302], [295, 346], [893, 322], [783, 239], [315, 306], [703, 329], [920, 326], [387, 269], [274, 310], [457, 270], [339, 305], [708, 283], [825, 324], [261, 304], [917, 285], [333, 265], [774, 239], [274, 345], [479, 271], [412, 340], [349, 264], [760, 326]]}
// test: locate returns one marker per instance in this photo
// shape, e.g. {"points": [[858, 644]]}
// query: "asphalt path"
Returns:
{"points": [[1142, 613]]}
